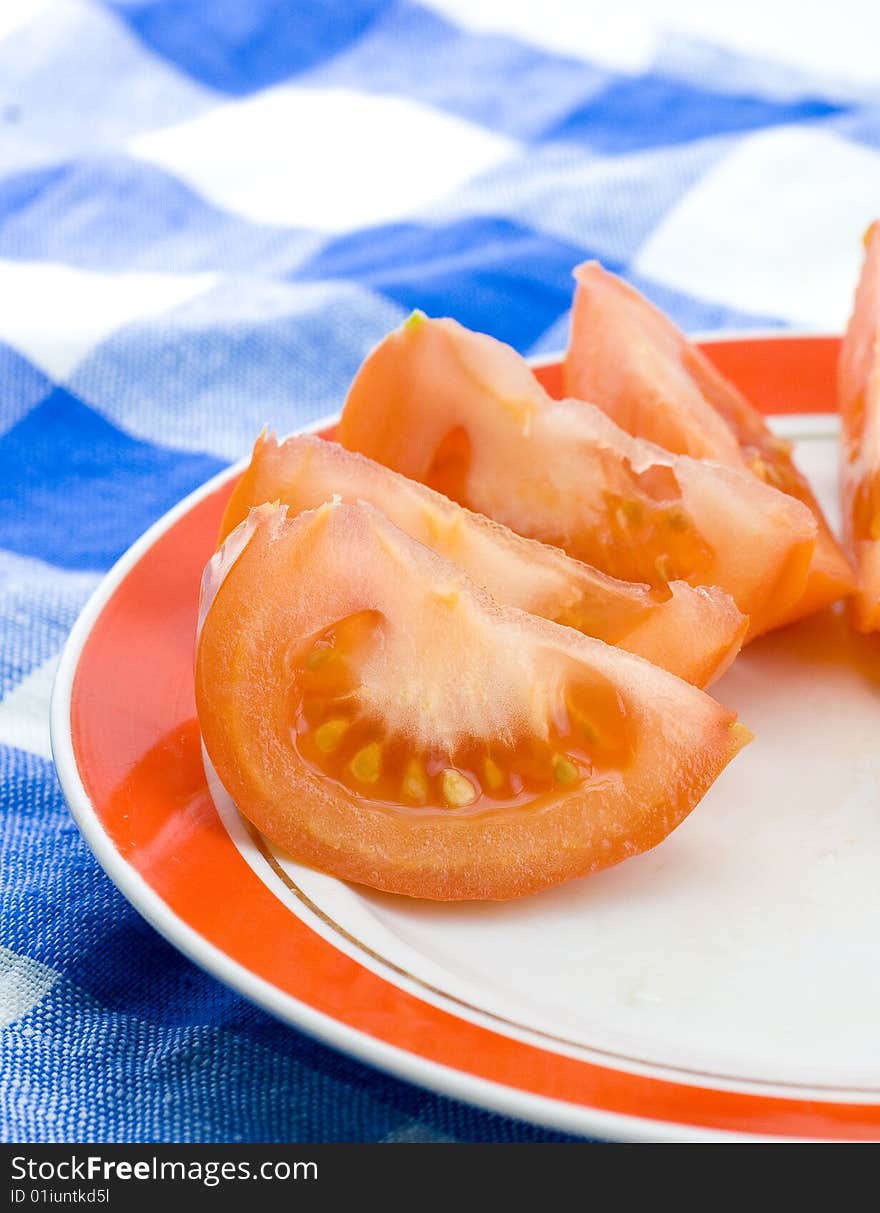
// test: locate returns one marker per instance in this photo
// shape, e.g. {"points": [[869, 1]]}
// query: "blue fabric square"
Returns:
{"points": [[488, 273], [100, 1058], [38, 606], [22, 385], [653, 110], [19, 191], [76, 491], [239, 48], [411, 52], [113, 213], [250, 353]]}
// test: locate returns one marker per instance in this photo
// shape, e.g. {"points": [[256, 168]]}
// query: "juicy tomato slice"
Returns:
{"points": [[858, 398], [628, 358], [464, 414], [694, 633], [379, 716]]}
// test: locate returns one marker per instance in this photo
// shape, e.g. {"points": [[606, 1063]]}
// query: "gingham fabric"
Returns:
{"points": [[209, 211]]}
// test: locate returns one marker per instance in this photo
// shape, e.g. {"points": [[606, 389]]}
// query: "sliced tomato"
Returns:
{"points": [[464, 414], [380, 717], [630, 359], [859, 404], [695, 633]]}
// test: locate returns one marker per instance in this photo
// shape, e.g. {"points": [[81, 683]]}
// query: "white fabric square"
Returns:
{"points": [[23, 982], [55, 314], [24, 712], [775, 228], [327, 159], [14, 13], [629, 34], [618, 35], [804, 35], [79, 81]]}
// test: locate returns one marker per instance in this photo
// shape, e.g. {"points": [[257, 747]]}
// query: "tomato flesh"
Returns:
{"points": [[693, 633], [858, 396], [465, 414], [379, 716], [628, 358], [588, 733]]}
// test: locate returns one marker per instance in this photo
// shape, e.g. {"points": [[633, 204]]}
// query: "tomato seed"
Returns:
{"points": [[492, 774], [564, 771], [458, 790], [330, 733], [367, 763], [415, 781]]}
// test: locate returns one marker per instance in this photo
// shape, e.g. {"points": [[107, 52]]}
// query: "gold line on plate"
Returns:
{"points": [[263, 847]]}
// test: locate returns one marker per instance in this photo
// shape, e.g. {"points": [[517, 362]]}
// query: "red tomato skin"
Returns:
{"points": [[858, 399], [628, 358], [545, 468], [692, 632]]}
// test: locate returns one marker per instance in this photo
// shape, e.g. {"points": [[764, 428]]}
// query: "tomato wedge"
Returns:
{"points": [[375, 713], [858, 398], [628, 358], [464, 414], [694, 633]]}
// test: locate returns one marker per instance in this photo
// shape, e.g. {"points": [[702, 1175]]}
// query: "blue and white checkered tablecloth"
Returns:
{"points": [[209, 211]]}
